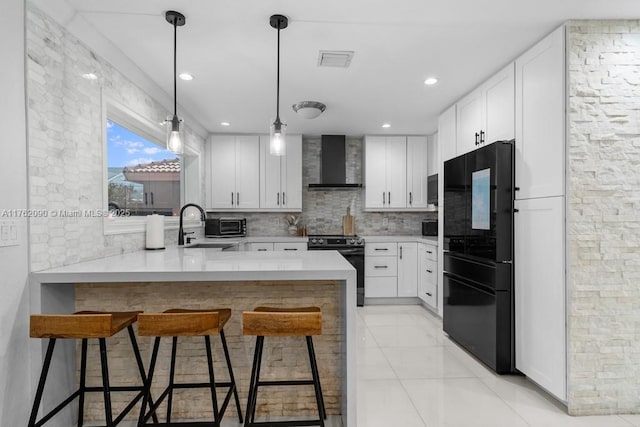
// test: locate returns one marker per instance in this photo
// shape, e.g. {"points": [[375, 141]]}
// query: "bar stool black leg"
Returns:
{"points": [[105, 382], [43, 377], [143, 376], [147, 386], [212, 380], [231, 377], [254, 404], [83, 376], [172, 370], [253, 388], [316, 381]]}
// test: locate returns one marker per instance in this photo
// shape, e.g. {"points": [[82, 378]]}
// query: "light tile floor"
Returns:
{"points": [[411, 375]]}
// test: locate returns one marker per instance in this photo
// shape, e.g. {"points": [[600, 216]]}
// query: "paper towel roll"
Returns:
{"points": [[155, 231]]}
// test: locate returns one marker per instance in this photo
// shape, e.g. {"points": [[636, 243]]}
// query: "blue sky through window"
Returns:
{"points": [[125, 148]]}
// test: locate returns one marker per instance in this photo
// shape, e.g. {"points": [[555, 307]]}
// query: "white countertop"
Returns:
{"points": [[256, 239], [196, 264]]}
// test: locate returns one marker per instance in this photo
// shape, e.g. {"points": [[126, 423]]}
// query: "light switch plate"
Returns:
{"points": [[9, 233]]}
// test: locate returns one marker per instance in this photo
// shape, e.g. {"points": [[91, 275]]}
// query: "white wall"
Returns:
{"points": [[14, 361]]}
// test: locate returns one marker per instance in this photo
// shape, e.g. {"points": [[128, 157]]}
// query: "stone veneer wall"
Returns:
{"points": [[322, 211], [602, 215], [283, 357], [66, 144]]}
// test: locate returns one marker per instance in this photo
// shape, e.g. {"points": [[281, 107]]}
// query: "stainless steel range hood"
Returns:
{"points": [[333, 175]]}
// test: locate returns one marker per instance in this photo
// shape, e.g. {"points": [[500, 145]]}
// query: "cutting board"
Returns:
{"points": [[348, 224]]}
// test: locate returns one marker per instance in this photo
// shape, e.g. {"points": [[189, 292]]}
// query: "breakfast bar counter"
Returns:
{"points": [[154, 281]]}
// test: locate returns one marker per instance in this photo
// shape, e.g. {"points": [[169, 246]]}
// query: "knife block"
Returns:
{"points": [[348, 225]]}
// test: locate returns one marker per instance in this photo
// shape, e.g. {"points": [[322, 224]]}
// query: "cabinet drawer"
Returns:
{"points": [[381, 249], [260, 247], [432, 252], [380, 287], [289, 246], [429, 295], [431, 272], [381, 266]]}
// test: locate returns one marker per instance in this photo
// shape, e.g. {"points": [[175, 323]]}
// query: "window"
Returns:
{"points": [[143, 178], [140, 176]]}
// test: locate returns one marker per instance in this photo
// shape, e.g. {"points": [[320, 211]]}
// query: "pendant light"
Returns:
{"points": [[278, 129], [174, 137]]}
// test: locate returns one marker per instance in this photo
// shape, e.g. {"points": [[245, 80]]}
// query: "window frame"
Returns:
{"points": [[154, 132]]}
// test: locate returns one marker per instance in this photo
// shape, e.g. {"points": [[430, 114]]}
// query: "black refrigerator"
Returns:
{"points": [[478, 253]]}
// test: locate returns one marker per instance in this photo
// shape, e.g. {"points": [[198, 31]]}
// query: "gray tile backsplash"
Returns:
{"points": [[322, 211]]}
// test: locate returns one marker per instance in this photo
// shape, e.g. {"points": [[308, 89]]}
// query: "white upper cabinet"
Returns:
{"points": [[233, 180], [487, 114], [540, 118], [417, 171], [498, 102], [469, 122], [447, 134], [281, 176], [385, 172], [433, 154]]}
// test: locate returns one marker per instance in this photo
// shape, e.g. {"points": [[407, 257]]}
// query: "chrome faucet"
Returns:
{"points": [[181, 233]]}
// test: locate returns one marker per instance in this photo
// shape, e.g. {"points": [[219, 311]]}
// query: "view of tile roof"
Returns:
{"points": [[167, 165]]}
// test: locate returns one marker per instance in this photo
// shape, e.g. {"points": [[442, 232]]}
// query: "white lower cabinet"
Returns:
{"points": [[261, 247], [281, 246], [276, 246], [381, 270], [539, 289], [428, 274], [407, 269]]}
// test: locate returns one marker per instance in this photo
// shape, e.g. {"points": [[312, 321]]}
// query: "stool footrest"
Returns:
{"points": [[202, 385], [289, 382], [299, 423], [116, 388]]}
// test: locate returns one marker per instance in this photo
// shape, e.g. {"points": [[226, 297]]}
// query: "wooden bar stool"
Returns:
{"points": [[181, 323], [269, 321], [85, 325]]}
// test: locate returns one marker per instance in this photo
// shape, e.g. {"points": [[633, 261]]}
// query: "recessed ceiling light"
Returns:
{"points": [[90, 76], [386, 125], [431, 81], [225, 124], [186, 76]]}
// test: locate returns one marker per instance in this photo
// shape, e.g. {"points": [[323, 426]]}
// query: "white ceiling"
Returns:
{"points": [[230, 48]]}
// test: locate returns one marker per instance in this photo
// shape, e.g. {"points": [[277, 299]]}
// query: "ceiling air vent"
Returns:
{"points": [[335, 58]]}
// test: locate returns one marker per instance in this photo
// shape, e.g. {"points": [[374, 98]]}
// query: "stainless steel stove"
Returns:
{"points": [[350, 247]]}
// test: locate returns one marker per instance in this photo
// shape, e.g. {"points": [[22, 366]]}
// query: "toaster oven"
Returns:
{"points": [[225, 227]]}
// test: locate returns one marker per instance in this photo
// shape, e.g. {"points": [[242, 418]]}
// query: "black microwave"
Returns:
{"points": [[225, 227]]}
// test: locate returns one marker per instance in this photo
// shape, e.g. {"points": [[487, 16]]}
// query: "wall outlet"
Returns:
{"points": [[385, 221]]}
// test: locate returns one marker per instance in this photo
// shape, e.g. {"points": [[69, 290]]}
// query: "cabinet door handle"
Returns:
{"points": [[389, 198], [278, 199], [380, 266], [482, 137], [261, 249], [381, 249], [290, 249], [283, 199], [428, 293], [383, 198], [152, 198], [232, 198], [516, 210], [477, 138], [429, 271], [145, 197], [429, 252], [400, 252], [238, 199], [517, 189], [410, 198]]}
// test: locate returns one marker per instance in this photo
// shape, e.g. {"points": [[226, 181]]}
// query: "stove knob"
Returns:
{"points": [[314, 240], [320, 241], [359, 241], [352, 241]]}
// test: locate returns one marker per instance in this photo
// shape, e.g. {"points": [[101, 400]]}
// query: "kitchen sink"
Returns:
{"points": [[211, 245]]}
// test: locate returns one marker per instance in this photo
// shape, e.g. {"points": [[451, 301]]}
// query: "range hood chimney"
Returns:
{"points": [[333, 175]]}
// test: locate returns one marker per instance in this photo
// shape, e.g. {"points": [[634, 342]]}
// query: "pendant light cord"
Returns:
{"points": [[278, 79], [175, 79]]}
